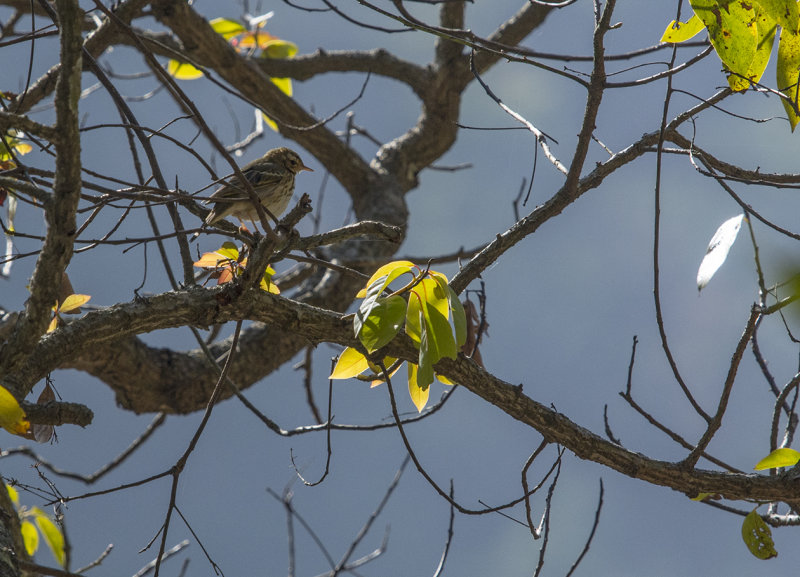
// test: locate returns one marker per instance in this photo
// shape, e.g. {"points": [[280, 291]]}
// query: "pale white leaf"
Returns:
{"points": [[718, 249]]}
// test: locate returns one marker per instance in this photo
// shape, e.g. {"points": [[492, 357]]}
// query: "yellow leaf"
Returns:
{"points": [[350, 363], [52, 535], [12, 417], [53, 324], [12, 494], [285, 85], [30, 536], [227, 28], [257, 38], [444, 380], [778, 458], [22, 148], [419, 396], [183, 70], [682, 31], [73, 302], [271, 123]]}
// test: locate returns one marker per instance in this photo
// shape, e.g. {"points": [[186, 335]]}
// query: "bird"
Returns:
{"points": [[272, 179]]}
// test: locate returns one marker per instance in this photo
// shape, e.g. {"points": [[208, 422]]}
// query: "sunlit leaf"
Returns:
{"points": [[459, 317], [227, 252], [783, 457], [30, 536], [758, 536], [788, 73], [183, 70], [266, 283], [440, 335], [285, 85], [718, 249], [350, 363], [444, 380], [419, 395], [382, 323], [391, 271], [73, 302], [12, 417], [271, 123], [52, 535], [784, 12], [425, 362], [227, 28], [257, 38], [12, 494], [682, 31], [278, 48], [703, 496], [732, 29], [53, 324]]}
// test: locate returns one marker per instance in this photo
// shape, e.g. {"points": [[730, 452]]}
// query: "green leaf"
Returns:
{"points": [[758, 536], [459, 317], [52, 535], [778, 458], [350, 363], [440, 335], [784, 12], [789, 73], [732, 29], [413, 318], [227, 28], [383, 322], [277, 48], [419, 396], [681, 31], [30, 536]]}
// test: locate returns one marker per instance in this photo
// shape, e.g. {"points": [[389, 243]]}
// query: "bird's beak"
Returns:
{"points": [[304, 167]]}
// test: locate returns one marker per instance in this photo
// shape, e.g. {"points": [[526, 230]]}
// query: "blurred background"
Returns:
{"points": [[563, 307]]}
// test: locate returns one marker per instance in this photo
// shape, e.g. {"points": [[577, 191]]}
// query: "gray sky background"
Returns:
{"points": [[563, 307]]}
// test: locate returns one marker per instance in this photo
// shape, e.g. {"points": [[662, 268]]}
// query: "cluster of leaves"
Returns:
{"points": [[425, 306], [41, 523], [251, 40], [70, 305], [226, 263], [742, 34]]}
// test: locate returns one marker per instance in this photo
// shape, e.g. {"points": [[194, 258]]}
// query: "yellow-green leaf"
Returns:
{"points": [[12, 494], [73, 302], [53, 324], [227, 28], [789, 73], [444, 380], [382, 323], [785, 12], [391, 271], [30, 536], [758, 536], [277, 48], [682, 31], [284, 84], [732, 29], [52, 535], [419, 395], [778, 458], [183, 70], [12, 417], [350, 364]]}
